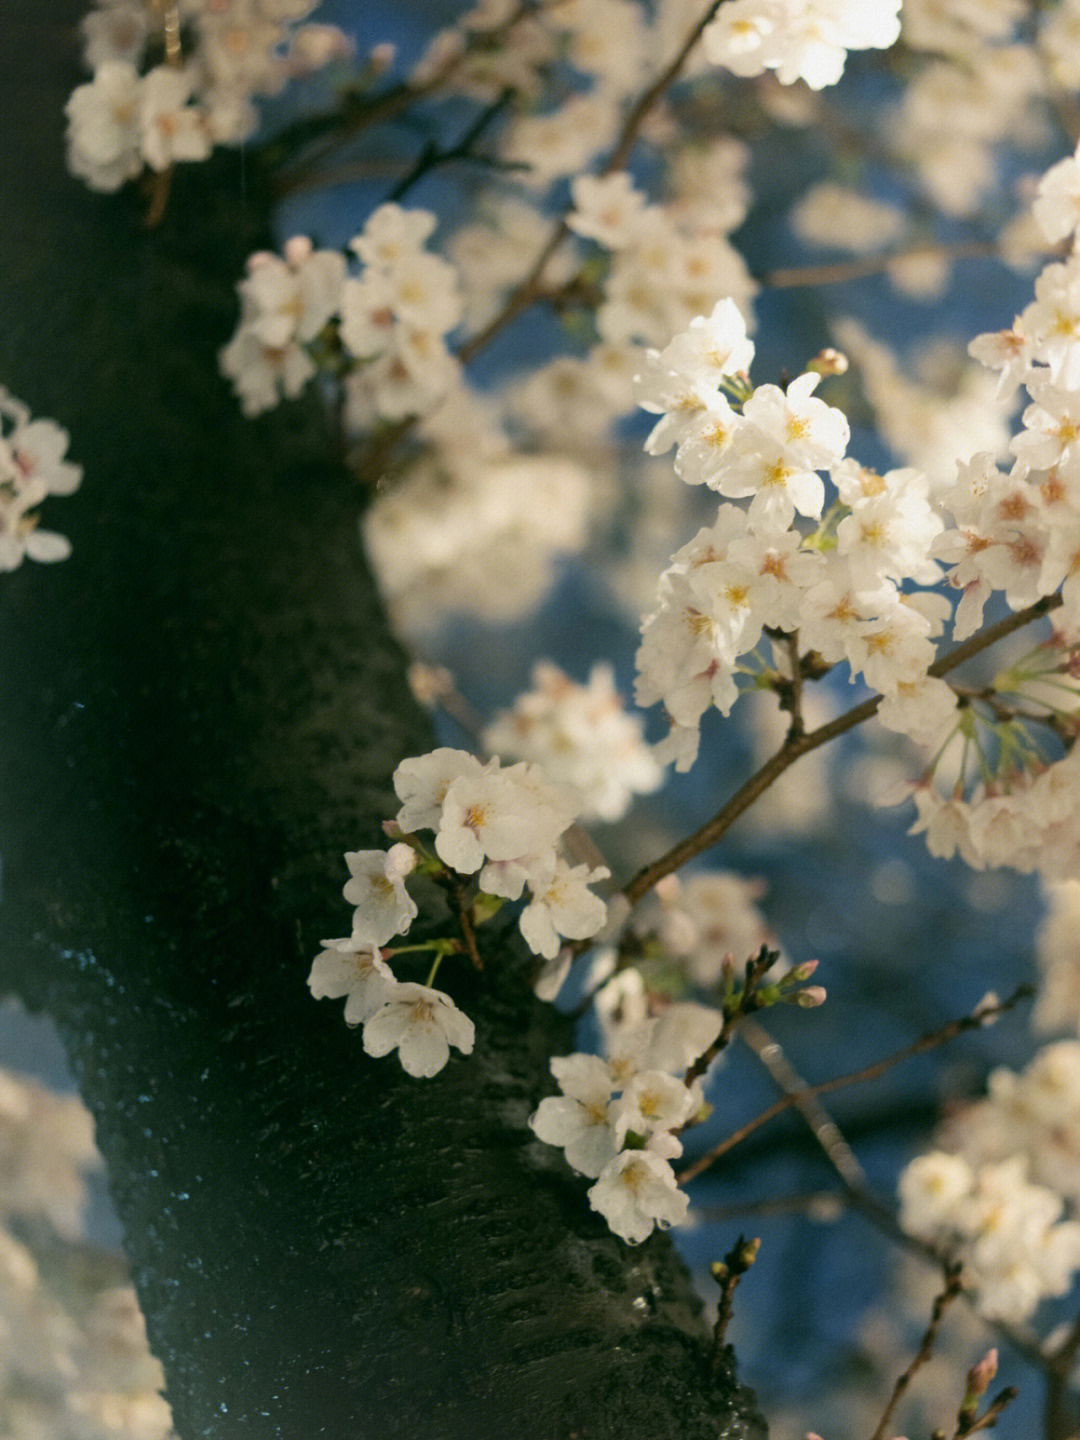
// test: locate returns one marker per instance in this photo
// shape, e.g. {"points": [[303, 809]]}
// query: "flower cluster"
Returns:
{"points": [[74, 1358], [1034, 1113], [1016, 532], [838, 586], [702, 923], [500, 824], [799, 39], [454, 536], [387, 340], [975, 1192], [1015, 1246], [32, 466], [231, 51], [579, 735], [286, 302], [666, 263], [616, 1119]]}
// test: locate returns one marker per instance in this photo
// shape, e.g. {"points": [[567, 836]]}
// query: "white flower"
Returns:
{"points": [[117, 33], [1057, 206], [579, 735], [391, 233], [682, 1035], [384, 907], [19, 535], [654, 1101], [577, 1121], [171, 129], [103, 127], [606, 209], [931, 1189], [500, 815], [352, 968], [562, 905], [636, 1192], [420, 1024], [421, 784], [37, 449]]}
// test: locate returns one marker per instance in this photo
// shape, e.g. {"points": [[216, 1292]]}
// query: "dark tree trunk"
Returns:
{"points": [[202, 709]]}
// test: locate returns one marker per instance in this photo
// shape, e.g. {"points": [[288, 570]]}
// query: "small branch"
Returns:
{"points": [[992, 1415], [798, 725], [530, 289], [794, 747], [821, 1124], [1060, 1418], [392, 102], [930, 1041], [941, 1303], [862, 1198], [727, 1273], [459, 897], [431, 157], [756, 969], [845, 270], [816, 1204]]}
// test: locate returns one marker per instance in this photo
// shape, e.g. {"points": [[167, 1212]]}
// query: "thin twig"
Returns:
{"points": [[727, 1273], [794, 747], [798, 725], [942, 1301], [824, 1205], [991, 1416], [846, 270], [459, 895], [756, 969], [524, 295], [394, 101], [930, 1041], [432, 156], [862, 1198], [1060, 1418], [801, 1095]]}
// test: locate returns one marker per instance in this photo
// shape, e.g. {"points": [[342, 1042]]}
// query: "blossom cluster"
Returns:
{"points": [[579, 735], [389, 321], [653, 266], [1015, 1246], [32, 466], [499, 823], [975, 1192], [839, 586], [1016, 532], [700, 923], [1034, 1113], [616, 1120], [74, 1358], [799, 39], [219, 54]]}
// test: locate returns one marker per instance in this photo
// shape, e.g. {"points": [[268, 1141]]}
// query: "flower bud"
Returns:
{"points": [[810, 997]]}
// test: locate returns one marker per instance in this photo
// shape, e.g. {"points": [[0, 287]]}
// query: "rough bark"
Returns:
{"points": [[201, 712]]}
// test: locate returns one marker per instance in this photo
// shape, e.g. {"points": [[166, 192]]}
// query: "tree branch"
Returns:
{"points": [[799, 1097], [795, 746]]}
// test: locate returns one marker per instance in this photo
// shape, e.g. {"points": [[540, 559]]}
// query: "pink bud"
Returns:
{"points": [[381, 57], [298, 249], [811, 996], [980, 1375], [804, 971]]}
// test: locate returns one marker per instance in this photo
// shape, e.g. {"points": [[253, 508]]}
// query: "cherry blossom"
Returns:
{"points": [[421, 1024]]}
